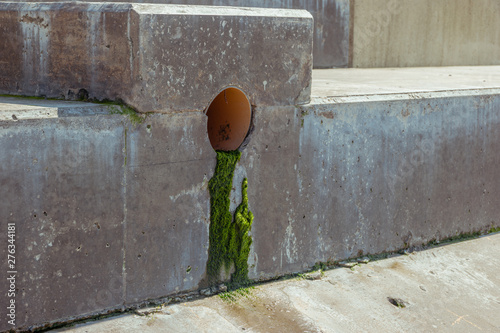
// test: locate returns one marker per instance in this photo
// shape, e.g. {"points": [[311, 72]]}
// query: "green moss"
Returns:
{"points": [[134, 116], [232, 296], [493, 229], [229, 243], [118, 107], [240, 241]]}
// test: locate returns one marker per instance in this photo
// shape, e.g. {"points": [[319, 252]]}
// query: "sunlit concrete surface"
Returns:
{"points": [[452, 288], [383, 81]]}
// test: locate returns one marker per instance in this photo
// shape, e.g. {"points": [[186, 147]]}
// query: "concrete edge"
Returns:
{"points": [[315, 100], [173, 9]]}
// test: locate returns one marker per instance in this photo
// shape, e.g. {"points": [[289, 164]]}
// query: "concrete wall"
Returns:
{"points": [[406, 33], [332, 181], [331, 23], [109, 214]]}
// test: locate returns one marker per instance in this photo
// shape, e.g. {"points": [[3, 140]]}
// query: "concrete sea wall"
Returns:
{"points": [[112, 208], [110, 213]]}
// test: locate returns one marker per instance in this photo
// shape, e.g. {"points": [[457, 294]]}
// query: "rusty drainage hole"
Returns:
{"points": [[229, 116]]}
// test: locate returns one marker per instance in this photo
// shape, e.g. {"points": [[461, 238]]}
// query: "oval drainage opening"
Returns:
{"points": [[229, 117]]}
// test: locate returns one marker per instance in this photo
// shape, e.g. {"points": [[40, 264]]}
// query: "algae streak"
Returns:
{"points": [[229, 240]]}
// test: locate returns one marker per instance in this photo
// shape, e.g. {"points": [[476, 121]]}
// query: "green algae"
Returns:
{"points": [[229, 242], [240, 241], [125, 110]]}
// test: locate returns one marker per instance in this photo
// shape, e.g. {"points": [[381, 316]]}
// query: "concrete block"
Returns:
{"points": [[331, 23], [406, 33], [155, 57], [338, 179], [107, 213], [168, 206], [61, 184]]}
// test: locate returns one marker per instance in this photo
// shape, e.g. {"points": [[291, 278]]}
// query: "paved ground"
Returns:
{"points": [[452, 288]]}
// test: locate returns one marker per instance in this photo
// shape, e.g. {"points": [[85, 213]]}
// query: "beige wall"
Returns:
{"points": [[400, 33]]}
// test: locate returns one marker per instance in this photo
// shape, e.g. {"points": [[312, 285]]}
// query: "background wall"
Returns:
{"points": [[407, 33]]}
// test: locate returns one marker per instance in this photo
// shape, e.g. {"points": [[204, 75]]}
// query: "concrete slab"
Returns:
{"points": [[81, 191], [15, 108], [453, 288], [331, 23], [383, 81], [162, 58]]}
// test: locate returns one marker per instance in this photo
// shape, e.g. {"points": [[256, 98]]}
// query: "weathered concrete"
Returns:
{"points": [[405, 33], [126, 51], [107, 213], [336, 180], [453, 288], [331, 23], [113, 213]]}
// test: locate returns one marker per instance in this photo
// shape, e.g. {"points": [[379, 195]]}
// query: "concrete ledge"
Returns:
{"points": [[158, 58], [15, 108]]}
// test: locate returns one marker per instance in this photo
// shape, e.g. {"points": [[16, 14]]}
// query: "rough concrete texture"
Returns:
{"points": [[331, 23], [338, 180], [110, 214], [405, 33], [453, 288], [106, 212], [126, 51]]}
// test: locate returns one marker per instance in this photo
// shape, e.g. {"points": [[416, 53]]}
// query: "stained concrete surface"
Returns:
{"points": [[450, 288], [100, 214], [372, 173], [331, 23], [156, 58]]}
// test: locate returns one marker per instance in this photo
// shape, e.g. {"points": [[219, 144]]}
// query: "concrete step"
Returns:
{"points": [[156, 58], [115, 211], [331, 23]]}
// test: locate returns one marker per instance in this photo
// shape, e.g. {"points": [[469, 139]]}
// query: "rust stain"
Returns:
{"points": [[329, 115], [36, 20]]}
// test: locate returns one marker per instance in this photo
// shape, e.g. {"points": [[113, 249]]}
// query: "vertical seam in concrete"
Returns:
{"points": [[350, 50], [124, 184], [130, 46]]}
